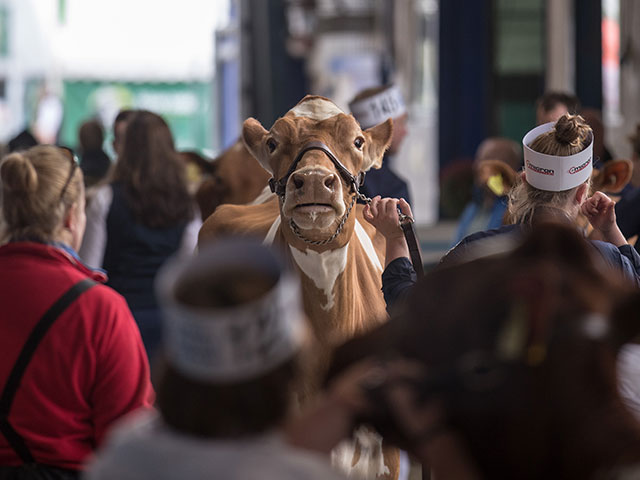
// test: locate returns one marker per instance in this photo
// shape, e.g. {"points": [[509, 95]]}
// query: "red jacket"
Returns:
{"points": [[90, 368]]}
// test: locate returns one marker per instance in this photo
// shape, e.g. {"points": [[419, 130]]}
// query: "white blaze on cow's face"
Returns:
{"points": [[316, 195]]}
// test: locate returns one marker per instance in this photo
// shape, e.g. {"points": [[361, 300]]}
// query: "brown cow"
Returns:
{"points": [[234, 177], [316, 154]]}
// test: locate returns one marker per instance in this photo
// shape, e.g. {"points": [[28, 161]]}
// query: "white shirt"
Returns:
{"points": [[145, 448]]}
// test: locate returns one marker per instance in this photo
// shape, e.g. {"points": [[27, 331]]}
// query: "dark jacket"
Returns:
{"points": [[385, 182], [399, 275]]}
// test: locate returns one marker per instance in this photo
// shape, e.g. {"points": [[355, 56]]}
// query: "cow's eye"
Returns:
{"points": [[358, 142], [271, 145]]}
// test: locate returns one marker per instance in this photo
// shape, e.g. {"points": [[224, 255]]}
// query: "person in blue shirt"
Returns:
{"points": [[488, 204]]}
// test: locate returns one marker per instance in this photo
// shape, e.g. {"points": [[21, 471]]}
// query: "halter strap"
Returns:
{"points": [[279, 186]]}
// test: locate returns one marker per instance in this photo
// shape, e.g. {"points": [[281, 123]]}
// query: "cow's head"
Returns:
{"points": [[316, 154]]}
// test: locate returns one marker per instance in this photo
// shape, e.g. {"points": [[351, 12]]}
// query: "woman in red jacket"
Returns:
{"points": [[71, 357]]}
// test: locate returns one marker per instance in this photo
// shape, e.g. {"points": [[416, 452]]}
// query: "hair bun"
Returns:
{"points": [[18, 174], [571, 129]]}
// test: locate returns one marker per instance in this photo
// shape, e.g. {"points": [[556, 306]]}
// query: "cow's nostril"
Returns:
{"points": [[298, 181], [330, 181]]}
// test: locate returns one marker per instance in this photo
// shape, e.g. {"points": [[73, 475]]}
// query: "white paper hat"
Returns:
{"points": [[377, 108], [555, 173], [238, 343]]}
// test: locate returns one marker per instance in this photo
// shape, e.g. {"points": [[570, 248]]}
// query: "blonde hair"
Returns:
{"points": [[570, 135], [33, 194]]}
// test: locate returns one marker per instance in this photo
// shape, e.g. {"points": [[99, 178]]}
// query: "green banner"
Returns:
{"points": [[186, 107]]}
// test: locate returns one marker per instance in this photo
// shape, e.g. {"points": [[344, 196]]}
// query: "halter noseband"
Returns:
{"points": [[279, 186]]}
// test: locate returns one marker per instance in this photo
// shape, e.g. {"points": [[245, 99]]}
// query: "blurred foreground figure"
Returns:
{"points": [[234, 328], [505, 367], [72, 361]]}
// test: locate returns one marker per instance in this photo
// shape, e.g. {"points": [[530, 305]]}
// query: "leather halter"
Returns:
{"points": [[279, 186], [406, 223]]}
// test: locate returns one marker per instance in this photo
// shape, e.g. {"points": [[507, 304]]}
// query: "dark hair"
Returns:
{"points": [[91, 136], [123, 116], [22, 141], [550, 100], [152, 173], [225, 409]]}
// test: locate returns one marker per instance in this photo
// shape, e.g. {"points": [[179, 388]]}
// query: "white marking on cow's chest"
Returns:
{"points": [[316, 109], [366, 243], [323, 268]]}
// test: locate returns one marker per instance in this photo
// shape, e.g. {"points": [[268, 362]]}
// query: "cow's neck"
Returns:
{"points": [[347, 281], [323, 268], [340, 281]]}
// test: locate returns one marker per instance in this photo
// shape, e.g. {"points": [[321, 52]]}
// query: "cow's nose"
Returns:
{"points": [[314, 180]]}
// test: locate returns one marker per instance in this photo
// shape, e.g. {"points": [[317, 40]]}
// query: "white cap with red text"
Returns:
{"points": [[554, 173]]}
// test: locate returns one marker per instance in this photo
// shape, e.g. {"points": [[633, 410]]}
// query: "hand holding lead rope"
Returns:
{"points": [[393, 219]]}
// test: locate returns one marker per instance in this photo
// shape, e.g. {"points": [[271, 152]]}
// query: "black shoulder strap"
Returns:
{"points": [[13, 381]]}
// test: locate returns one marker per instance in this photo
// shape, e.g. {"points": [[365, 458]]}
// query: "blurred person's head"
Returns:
{"points": [[552, 105], [233, 330], [152, 172], [120, 128], [374, 105], [558, 166], [91, 136], [497, 156], [43, 196], [22, 141], [524, 367]]}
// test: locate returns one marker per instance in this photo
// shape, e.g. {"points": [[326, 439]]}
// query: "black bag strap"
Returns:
{"points": [[13, 381]]}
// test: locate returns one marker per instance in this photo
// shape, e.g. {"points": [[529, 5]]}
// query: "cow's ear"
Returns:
{"points": [[613, 177], [377, 141], [253, 134]]}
